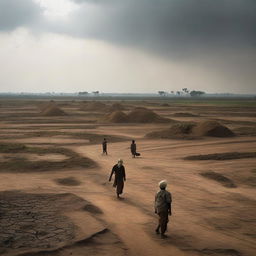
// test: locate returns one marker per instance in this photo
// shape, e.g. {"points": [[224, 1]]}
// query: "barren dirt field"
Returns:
{"points": [[55, 198]]}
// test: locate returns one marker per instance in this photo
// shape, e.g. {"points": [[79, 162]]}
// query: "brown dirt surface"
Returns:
{"points": [[144, 115], [179, 130], [19, 163], [69, 181], [116, 107], [213, 129], [208, 218], [37, 222], [222, 156], [94, 106], [53, 111], [116, 117], [190, 130], [185, 114], [219, 178]]}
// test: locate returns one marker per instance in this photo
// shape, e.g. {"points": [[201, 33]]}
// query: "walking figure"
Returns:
{"points": [[104, 146], [119, 171], [163, 200]]}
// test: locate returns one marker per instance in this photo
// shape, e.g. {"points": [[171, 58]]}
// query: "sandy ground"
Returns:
{"points": [[208, 218]]}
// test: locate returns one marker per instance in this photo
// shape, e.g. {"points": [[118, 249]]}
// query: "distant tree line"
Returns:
{"points": [[184, 91]]}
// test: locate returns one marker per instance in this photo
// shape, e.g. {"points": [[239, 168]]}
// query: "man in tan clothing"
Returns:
{"points": [[163, 200]]}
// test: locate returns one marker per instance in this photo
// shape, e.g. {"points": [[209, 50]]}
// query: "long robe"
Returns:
{"points": [[133, 149], [119, 178]]}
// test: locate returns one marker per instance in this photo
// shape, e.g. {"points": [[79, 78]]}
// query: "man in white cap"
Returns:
{"points": [[120, 177], [163, 200]]}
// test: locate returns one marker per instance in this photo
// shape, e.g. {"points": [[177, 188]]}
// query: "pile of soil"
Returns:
{"points": [[213, 129], [53, 110], [144, 115], [116, 107], [47, 105], [184, 114], [192, 131], [138, 115], [179, 130], [222, 156], [117, 117], [165, 105], [94, 106], [226, 182]]}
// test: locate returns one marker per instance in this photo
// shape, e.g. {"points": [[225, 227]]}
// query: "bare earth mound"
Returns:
{"points": [[226, 182], [144, 115], [117, 107], [116, 117], [213, 129], [46, 105], [179, 130], [222, 156], [53, 111], [95, 106], [192, 130]]}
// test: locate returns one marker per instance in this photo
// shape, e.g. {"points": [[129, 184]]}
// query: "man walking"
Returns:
{"points": [[163, 200], [119, 171], [104, 147], [133, 148]]}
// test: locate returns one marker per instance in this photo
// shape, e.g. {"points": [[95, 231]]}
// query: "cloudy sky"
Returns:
{"points": [[127, 45]]}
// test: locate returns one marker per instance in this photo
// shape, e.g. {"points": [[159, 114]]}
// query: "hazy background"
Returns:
{"points": [[127, 45]]}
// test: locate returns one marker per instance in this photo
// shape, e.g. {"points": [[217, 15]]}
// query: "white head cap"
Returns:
{"points": [[163, 184], [120, 161]]}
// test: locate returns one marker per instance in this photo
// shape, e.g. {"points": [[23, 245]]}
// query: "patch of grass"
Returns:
{"points": [[222, 156], [226, 182]]}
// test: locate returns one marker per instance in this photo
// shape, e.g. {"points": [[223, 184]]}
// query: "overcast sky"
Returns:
{"points": [[127, 45]]}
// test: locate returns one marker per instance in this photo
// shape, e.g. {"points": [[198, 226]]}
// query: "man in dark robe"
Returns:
{"points": [[133, 148], [163, 200], [119, 171], [104, 147]]}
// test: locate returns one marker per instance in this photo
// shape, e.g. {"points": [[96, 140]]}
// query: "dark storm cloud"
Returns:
{"points": [[169, 24], [15, 13]]}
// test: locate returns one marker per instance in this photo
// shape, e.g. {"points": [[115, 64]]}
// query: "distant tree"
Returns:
{"points": [[185, 90], [96, 93], [172, 92], [162, 93], [83, 93], [196, 93], [178, 93]]}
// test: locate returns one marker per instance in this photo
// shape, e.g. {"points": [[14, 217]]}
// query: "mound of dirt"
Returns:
{"points": [[179, 130], [53, 110], [116, 117], [46, 105], [69, 181], [165, 105], [192, 131], [213, 129], [222, 156], [117, 107], [144, 115], [184, 114], [226, 182], [94, 106]]}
